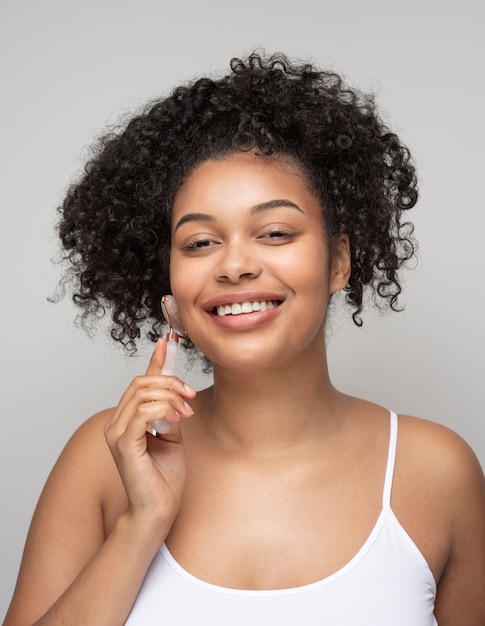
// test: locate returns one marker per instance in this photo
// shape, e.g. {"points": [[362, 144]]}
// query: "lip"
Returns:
{"points": [[240, 297], [246, 321]]}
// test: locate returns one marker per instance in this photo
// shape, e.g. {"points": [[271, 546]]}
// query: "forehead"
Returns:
{"points": [[242, 180]]}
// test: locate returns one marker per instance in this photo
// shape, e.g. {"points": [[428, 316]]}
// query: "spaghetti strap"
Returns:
{"points": [[391, 458]]}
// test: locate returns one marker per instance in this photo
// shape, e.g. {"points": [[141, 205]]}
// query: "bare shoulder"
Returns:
{"points": [[80, 481], [87, 467], [438, 450], [441, 499], [86, 460], [438, 463], [89, 439], [69, 523]]}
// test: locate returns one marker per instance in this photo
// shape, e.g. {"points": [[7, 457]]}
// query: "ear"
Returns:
{"points": [[340, 263]]}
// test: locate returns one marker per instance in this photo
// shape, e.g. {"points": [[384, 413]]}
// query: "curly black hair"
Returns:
{"points": [[115, 221]]}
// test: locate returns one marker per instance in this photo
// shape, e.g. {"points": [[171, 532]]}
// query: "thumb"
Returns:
{"points": [[158, 358]]}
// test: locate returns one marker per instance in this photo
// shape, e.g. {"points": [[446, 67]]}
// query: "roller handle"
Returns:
{"points": [[162, 426]]}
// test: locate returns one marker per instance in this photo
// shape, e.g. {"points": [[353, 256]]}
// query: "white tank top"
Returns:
{"points": [[387, 583]]}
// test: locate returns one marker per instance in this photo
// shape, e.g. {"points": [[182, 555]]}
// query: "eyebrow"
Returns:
{"points": [[257, 208]]}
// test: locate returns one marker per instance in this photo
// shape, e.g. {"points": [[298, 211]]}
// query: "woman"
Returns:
{"points": [[274, 498]]}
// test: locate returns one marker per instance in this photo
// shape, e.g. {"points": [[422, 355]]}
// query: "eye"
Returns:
{"points": [[198, 244], [202, 243], [278, 235]]}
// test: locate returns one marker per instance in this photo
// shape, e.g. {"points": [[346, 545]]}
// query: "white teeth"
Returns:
{"points": [[245, 307]]}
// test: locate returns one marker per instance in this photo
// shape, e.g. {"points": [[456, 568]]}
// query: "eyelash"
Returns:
{"points": [[279, 234], [198, 244]]}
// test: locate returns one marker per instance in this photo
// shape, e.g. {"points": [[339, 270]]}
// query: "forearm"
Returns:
{"points": [[104, 592]]}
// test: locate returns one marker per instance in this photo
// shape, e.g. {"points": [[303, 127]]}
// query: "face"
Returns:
{"points": [[250, 266]]}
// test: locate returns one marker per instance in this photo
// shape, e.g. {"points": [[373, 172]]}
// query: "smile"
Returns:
{"points": [[242, 308]]}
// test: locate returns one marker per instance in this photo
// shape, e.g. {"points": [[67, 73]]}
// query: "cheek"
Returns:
{"points": [[307, 267], [186, 282], [180, 274], [178, 285]]}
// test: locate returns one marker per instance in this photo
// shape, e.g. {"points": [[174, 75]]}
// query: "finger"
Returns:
{"points": [[147, 405], [155, 367], [158, 358], [150, 413], [142, 386], [129, 429], [150, 388]]}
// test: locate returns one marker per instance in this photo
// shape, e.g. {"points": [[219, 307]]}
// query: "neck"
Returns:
{"points": [[267, 411]]}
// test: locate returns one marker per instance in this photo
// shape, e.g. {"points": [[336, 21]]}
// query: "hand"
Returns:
{"points": [[152, 469]]}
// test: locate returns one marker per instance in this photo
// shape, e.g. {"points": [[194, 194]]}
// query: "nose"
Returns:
{"points": [[238, 261]]}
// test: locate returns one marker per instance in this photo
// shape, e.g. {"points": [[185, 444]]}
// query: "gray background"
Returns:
{"points": [[69, 68]]}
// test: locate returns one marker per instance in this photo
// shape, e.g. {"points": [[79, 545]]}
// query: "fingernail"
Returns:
{"points": [[188, 408], [189, 389]]}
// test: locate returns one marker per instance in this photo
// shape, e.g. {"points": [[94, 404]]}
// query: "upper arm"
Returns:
{"points": [[461, 588], [67, 527]]}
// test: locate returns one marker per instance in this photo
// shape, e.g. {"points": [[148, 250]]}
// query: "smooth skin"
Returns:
{"points": [[247, 227]]}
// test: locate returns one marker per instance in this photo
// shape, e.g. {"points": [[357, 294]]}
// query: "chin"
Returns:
{"points": [[250, 360]]}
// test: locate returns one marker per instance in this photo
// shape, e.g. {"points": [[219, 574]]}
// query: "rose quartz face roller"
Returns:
{"points": [[176, 331]]}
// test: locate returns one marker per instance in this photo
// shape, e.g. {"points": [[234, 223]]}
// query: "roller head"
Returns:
{"points": [[171, 314]]}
